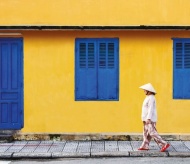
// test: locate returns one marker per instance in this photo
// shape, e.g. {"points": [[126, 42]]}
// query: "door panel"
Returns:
{"points": [[11, 83]]}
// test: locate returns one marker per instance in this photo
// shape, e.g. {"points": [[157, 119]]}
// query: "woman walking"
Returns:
{"points": [[149, 118]]}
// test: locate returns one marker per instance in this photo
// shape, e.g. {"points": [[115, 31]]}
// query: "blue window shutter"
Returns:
{"points": [[181, 69], [178, 71], [186, 76], [86, 72], [96, 69], [108, 69]]}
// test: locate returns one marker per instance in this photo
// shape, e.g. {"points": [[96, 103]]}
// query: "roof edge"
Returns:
{"points": [[52, 27]]}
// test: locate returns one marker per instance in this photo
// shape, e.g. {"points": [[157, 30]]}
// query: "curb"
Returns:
{"points": [[31, 155], [5, 155], [93, 154], [148, 154], [110, 154], [179, 154], [71, 155]]}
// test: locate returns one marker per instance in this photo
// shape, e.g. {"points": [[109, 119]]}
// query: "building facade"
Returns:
{"points": [[70, 66]]}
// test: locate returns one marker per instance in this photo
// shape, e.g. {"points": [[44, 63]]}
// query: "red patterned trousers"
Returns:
{"points": [[149, 132]]}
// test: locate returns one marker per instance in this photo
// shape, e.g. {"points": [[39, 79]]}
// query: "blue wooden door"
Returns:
{"points": [[11, 83]]}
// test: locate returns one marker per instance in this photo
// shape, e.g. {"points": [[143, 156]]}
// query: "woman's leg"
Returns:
{"points": [[153, 133], [146, 137]]}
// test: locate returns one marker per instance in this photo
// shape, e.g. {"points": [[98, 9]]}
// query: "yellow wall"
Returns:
{"points": [[145, 56], [94, 12], [49, 77]]}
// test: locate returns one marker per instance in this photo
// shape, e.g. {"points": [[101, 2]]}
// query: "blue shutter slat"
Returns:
{"points": [[102, 55], [111, 56], [179, 56], [178, 70], [82, 55], [187, 56], [186, 71], [91, 55]]}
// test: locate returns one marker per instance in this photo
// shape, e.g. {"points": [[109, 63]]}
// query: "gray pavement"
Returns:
{"points": [[87, 149]]}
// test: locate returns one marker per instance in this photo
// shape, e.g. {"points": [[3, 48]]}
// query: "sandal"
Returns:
{"points": [[141, 148], [164, 147]]}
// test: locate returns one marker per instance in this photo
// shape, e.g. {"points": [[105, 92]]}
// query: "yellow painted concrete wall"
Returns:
{"points": [[49, 78], [145, 56], [94, 12]]}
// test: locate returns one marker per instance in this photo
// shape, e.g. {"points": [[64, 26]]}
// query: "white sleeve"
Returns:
{"points": [[150, 108]]}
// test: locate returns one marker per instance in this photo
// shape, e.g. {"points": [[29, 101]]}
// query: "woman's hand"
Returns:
{"points": [[148, 121]]}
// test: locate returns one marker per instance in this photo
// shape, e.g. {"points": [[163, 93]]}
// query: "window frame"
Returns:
{"points": [[180, 73], [97, 49]]}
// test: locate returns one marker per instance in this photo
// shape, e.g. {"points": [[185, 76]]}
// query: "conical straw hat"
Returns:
{"points": [[148, 87]]}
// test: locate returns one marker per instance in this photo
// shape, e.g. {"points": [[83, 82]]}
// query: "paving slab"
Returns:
{"points": [[135, 145], [30, 147], [84, 146], [187, 143], [171, 149], [16, 147], [179, 146], [97, 146], [5, 147], [71, 146], [111, 146], [57, 146], [124, 146], [43, 147], [154, 146]]}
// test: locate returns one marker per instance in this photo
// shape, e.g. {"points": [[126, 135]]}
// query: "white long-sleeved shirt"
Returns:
{"points": [[149, 109]]}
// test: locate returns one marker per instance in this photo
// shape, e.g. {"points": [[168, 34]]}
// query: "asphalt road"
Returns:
{"points": [[131, 160]]}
